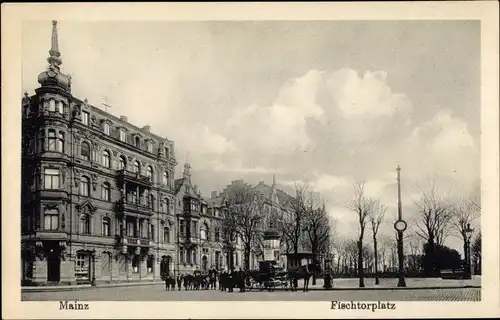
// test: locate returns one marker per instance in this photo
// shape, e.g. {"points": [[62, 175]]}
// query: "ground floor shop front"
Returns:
{"points": [[54, 262]]}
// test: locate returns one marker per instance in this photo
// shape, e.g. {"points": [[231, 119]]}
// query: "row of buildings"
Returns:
{"points": [[100, 202]]}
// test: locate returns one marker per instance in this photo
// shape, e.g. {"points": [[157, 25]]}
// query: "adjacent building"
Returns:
{"points": [[200, 241], [97, 192]]}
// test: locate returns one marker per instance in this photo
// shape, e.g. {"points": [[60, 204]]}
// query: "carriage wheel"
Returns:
{"points": [[270, 286], [249, 286]]}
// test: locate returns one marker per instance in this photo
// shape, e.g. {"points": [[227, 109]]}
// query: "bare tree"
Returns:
{"points": [[292, 224], [463, 215], [246, 210], [376, 218], [435, 216], [318, 231], [229, 230], [362, 206], [476, 254]]}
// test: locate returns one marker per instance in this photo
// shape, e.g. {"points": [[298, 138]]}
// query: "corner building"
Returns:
{"points": [[97, 192]]}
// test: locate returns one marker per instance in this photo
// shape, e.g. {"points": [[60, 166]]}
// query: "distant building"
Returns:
{"points": [[200, 239], [97, 191]]}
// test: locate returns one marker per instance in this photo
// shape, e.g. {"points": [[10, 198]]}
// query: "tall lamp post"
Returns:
{"points": [[400, 226], [468, 234]]}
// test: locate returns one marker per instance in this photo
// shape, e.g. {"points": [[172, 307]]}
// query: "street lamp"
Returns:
{"points": [[93, 268], [468, 234], [400, 226]]}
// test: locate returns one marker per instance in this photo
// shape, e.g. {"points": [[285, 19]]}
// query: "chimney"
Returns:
{"points": [[261, 182], [123, 118], [195, 188], [214, 195], [147, 128]]}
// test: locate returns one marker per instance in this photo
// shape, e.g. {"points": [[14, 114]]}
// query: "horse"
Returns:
{"points": [[296, 273]]}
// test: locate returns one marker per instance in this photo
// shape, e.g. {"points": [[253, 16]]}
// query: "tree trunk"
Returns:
{"points": [[360, 264], [247, 256], [375, 251], [314, 258]]}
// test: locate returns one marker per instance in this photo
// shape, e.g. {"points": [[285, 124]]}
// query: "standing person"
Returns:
{"points": [[230, 281], [179, 281], [222, 280], [241, 280]]}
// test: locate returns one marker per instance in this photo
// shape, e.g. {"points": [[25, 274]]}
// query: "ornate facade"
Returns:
{"points": [[97, 192], [200, 240]]}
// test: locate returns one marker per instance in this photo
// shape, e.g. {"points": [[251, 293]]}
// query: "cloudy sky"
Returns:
{"points": [[323, 102]]}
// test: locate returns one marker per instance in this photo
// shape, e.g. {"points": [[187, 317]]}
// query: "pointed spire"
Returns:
{"points": [[187, 171], [274, 180], [54, 59]]}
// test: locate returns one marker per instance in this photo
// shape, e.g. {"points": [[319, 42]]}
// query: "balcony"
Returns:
{"points": [[135, 177], [189, 239], [125, 207], [131, 241]]}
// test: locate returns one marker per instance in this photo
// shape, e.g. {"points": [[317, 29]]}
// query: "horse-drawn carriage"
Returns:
{"points": [[268, 277]]}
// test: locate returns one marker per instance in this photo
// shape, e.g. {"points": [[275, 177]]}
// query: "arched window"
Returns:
{"points": [[85, 186], [149, 173], [85, 152], [152, 201], [182, 255], [195, 254], [122, 163], [135, 263], [165, 178], [123, 135], [106, 159], [51, 219], [106, 226], [106, 191], [137, 141], [60, 142], [150, 263], [166, 204], [85, 224], [166, 234], [137, 167], [204, 232]]}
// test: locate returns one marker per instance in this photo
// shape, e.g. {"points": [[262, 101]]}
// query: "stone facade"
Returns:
{"points": [[200, 243], [97, 191]]}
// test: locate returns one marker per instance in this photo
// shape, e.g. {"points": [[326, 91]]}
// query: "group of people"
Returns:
{"points": [[227, 280]]}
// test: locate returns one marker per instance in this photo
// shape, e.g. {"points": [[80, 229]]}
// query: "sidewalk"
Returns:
{"points": [[338, 284], [391, 284], [88, 286]]}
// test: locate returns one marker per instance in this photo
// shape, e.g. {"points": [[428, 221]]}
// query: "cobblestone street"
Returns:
{"points": [[157, 293]]}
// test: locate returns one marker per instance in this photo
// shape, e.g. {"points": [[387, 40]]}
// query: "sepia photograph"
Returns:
{"points": [[254, 160]]}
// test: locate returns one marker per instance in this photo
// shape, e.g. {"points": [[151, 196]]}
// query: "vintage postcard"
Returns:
{"points": [[229, 160]]}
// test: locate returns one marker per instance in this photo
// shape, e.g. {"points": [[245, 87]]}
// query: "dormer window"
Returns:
{"points": [[106, 128], [137, 141], [123, 135], [166, 153], [85, 118], [150, 146]]}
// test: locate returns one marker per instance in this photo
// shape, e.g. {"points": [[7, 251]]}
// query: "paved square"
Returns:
{"points": [[158, 293]]}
